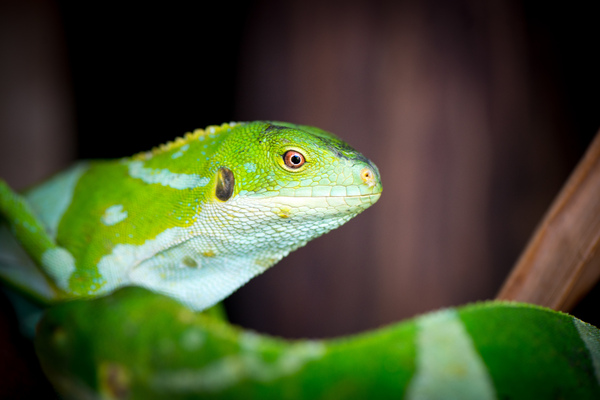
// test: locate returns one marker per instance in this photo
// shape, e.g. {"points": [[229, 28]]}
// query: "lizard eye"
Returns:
{"points": [[293, 159]]}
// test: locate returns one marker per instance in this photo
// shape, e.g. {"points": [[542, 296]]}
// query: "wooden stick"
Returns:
{"points": [[561, 263]]}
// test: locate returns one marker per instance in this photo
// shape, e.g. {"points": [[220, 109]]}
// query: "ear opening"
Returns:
{"points": [[225, 184]]}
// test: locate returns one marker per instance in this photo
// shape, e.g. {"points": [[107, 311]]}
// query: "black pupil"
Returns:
{"points": [[295, 159]]}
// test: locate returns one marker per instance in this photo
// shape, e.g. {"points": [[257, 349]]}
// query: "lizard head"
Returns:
{"points": [[240, 197], [280, 185]]}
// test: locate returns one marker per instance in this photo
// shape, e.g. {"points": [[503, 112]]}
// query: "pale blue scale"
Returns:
{"points": [[113, 215]]}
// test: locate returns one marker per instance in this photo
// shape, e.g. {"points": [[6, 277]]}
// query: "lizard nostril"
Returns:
{"points": [[368, 177]]}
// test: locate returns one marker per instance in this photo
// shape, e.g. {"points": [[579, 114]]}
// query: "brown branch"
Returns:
{"points": [[561, 263]]}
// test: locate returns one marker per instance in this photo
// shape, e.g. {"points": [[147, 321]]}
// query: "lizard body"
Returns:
{"points": [[486, 351]]}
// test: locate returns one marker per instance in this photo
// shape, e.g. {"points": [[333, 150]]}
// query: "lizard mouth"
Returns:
{"points": [[322, 203]]}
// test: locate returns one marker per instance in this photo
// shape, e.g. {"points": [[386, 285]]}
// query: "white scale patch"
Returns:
{"points": [[50, 200], [248, 365], [448, 365], [590, 336], [250, 167], [156, 265], [192, 339], [114, 215], [60, 265], [165, 177], [113, 267], [182, 150]]}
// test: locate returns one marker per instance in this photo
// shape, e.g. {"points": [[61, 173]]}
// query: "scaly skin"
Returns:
{"points": [[197, 218], [194, 219], [141, 345]]}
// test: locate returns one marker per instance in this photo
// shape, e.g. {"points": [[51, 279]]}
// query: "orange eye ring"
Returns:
{"points": [[367, 177], [293, 159]]}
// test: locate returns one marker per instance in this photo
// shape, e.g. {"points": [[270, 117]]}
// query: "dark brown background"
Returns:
{"points": [[475, 113]]}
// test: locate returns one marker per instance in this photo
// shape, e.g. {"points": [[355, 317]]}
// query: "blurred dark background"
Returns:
{"points": [[475, 113]]}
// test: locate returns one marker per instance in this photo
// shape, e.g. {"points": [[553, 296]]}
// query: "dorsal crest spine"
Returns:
{"points": [[187, 138]]}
